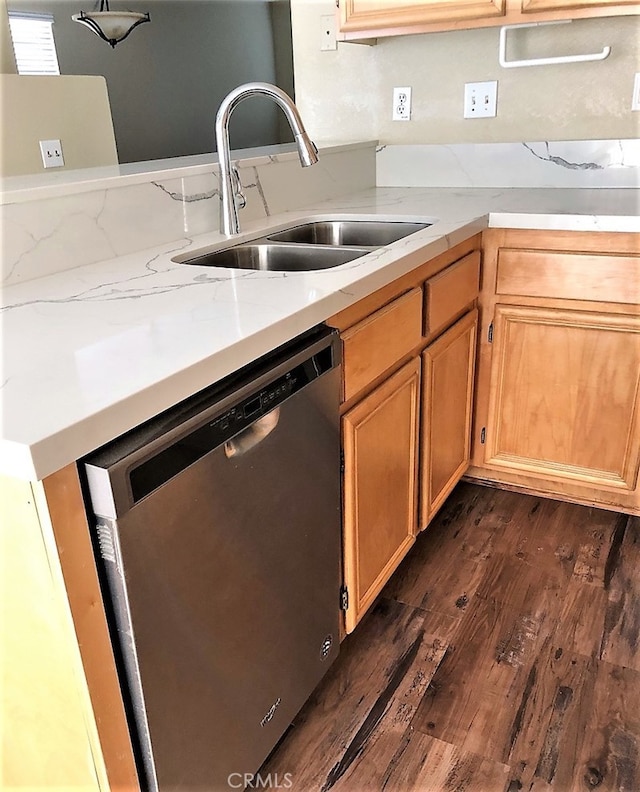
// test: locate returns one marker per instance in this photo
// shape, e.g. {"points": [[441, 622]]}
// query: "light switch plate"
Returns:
{"points": [[51, 151], [481, 99]]}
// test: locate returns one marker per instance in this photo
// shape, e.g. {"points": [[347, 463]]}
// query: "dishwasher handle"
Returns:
{"points": [[250, 437]]}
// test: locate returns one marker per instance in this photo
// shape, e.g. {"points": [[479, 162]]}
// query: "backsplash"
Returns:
{"points": [[55, 226], [47, 229], [581, 163]]}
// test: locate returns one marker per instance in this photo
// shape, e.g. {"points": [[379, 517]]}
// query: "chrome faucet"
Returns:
{"points": [[229, 193]]}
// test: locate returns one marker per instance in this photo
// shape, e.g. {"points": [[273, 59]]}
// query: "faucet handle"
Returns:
{"points": [[241, 198]]}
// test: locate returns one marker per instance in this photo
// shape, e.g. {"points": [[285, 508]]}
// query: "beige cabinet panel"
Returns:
{"points": [[380, 439], [564, 396], [447, 400], [49, 739]]}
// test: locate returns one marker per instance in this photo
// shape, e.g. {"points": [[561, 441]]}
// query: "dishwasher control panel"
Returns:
{"points": [[245, 413], [268, 398]]}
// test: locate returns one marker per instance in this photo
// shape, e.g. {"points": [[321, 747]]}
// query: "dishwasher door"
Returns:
{"points": [[224, 572]]}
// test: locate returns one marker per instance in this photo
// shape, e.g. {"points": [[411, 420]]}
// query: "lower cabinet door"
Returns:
{"points": [[380, 438], [447, 398], [565, 396]]}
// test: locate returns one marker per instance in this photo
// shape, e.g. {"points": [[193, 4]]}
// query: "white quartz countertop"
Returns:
{"points": [[91, 352]]}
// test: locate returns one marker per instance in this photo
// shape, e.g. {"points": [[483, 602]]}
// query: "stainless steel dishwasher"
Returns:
{"points": [[217, 533]]}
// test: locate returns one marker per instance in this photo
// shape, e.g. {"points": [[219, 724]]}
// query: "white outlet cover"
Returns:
{"points": [[401, 104], [481, 99]]}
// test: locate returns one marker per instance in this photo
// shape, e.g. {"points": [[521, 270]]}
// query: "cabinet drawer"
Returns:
{"points": [[568, 275], [381, 340], [451, 291]]}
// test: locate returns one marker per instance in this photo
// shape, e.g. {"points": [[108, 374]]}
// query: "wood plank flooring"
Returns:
{"points": [[503, 656]]}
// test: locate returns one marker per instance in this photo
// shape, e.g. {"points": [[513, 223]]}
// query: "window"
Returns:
{"points": [[33, 43]]}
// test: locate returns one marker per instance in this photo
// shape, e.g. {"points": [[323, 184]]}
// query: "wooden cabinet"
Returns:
{"points": [[558, 403], [404, 446], [380, 437], [380, 446], [370, 19], [447, 400], [372, 15]]}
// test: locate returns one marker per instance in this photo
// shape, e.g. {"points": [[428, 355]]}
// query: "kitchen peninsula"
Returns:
{"points": [[92, 351]]}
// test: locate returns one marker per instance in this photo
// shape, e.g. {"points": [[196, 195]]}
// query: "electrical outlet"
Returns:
{"points": [[480, 99], [328, 33], [51, 151], [635, 101], [401, 104]]}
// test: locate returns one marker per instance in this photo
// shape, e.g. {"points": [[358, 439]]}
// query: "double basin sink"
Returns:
{"points": [[305, 247]]}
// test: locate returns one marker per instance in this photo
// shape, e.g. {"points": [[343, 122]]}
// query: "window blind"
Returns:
{"points": [[33, 43]]}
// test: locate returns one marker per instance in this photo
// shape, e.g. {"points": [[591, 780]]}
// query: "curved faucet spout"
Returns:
{"points": [[308, 153]]}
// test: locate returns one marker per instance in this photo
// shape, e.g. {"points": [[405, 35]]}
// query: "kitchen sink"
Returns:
{"points": [[305, 247], [278, 258], [360, 233]]}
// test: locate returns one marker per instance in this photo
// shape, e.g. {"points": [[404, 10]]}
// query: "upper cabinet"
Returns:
{"points": [[368, 19], [356, 15]]}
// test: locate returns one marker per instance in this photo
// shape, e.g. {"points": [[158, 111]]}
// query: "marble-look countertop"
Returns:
{"points": [[91, 352]]}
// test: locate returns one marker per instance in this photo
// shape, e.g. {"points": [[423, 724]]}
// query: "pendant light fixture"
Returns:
{"points": [[112, 26]]}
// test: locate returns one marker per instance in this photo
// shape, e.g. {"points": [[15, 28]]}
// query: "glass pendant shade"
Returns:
{"points": [[111, 26]]}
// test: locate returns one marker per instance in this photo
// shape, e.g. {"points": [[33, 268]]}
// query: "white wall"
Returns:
{"points": [[346, 94]]}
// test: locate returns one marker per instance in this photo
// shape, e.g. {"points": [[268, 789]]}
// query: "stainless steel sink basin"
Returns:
{"points": [[277, 258], [305, 247], [361, 233]]}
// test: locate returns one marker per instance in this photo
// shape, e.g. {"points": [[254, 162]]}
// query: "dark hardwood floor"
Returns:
{"points": [[502, 656]]}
